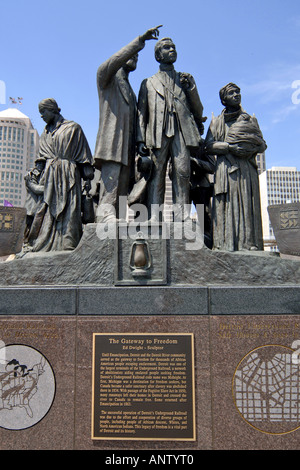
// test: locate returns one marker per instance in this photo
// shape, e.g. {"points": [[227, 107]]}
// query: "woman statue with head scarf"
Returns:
{"points": [[63, 145], [235, 139]]}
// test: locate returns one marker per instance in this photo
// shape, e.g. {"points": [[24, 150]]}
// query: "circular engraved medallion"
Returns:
{"points": [[27, 386], [266, 389]]}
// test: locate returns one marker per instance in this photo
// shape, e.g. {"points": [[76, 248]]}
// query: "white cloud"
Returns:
{"points": [[275, 83], [282, 114]]}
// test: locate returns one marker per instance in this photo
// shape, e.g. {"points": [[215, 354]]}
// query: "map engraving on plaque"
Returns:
{"points": [[27, 386], [266, 389], [143, 387]]}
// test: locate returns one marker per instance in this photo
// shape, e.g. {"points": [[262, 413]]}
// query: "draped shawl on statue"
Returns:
{"points": [[65, 150], [235, 128]]}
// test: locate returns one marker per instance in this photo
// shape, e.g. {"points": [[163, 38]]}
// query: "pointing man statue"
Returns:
{"points": [[170, 124], [115, 144]]}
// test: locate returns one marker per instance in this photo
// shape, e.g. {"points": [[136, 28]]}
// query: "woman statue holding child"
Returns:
{"points": [[234, 137]]}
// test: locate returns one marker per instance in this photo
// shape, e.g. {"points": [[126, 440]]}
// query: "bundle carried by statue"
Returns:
{"points": [[245, 133]]}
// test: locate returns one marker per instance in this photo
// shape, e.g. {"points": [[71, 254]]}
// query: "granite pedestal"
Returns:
{"points": [[242, 309]]}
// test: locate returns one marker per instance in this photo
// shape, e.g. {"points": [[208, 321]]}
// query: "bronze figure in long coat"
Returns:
{"points": [[169, 125], [115, 145]]}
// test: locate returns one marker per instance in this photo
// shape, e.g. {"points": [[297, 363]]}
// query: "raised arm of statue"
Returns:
{"points": [[109, 68]]}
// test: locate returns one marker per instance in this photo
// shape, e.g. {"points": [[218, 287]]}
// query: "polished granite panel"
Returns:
{"points": [[167, 324], [255, 382], [25, 424]]}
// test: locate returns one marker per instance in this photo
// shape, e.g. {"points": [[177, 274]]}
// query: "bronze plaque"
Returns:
{"points": [[143, 386]]}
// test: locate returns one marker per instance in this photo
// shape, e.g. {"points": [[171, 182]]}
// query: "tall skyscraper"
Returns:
{"points": [[19, 143], [279, 185]]}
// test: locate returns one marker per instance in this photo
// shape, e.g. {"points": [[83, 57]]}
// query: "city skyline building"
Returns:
{"points": [[19, 143], [278, 185]]}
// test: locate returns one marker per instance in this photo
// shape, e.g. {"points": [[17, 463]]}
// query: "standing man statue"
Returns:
{"points": [[115, 144], [170, 124]]}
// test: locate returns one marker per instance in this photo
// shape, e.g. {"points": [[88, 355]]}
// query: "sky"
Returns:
{"points": [[53, 49]]}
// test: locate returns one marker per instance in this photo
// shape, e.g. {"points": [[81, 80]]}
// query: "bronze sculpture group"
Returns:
{"points": [[162, 131]]}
